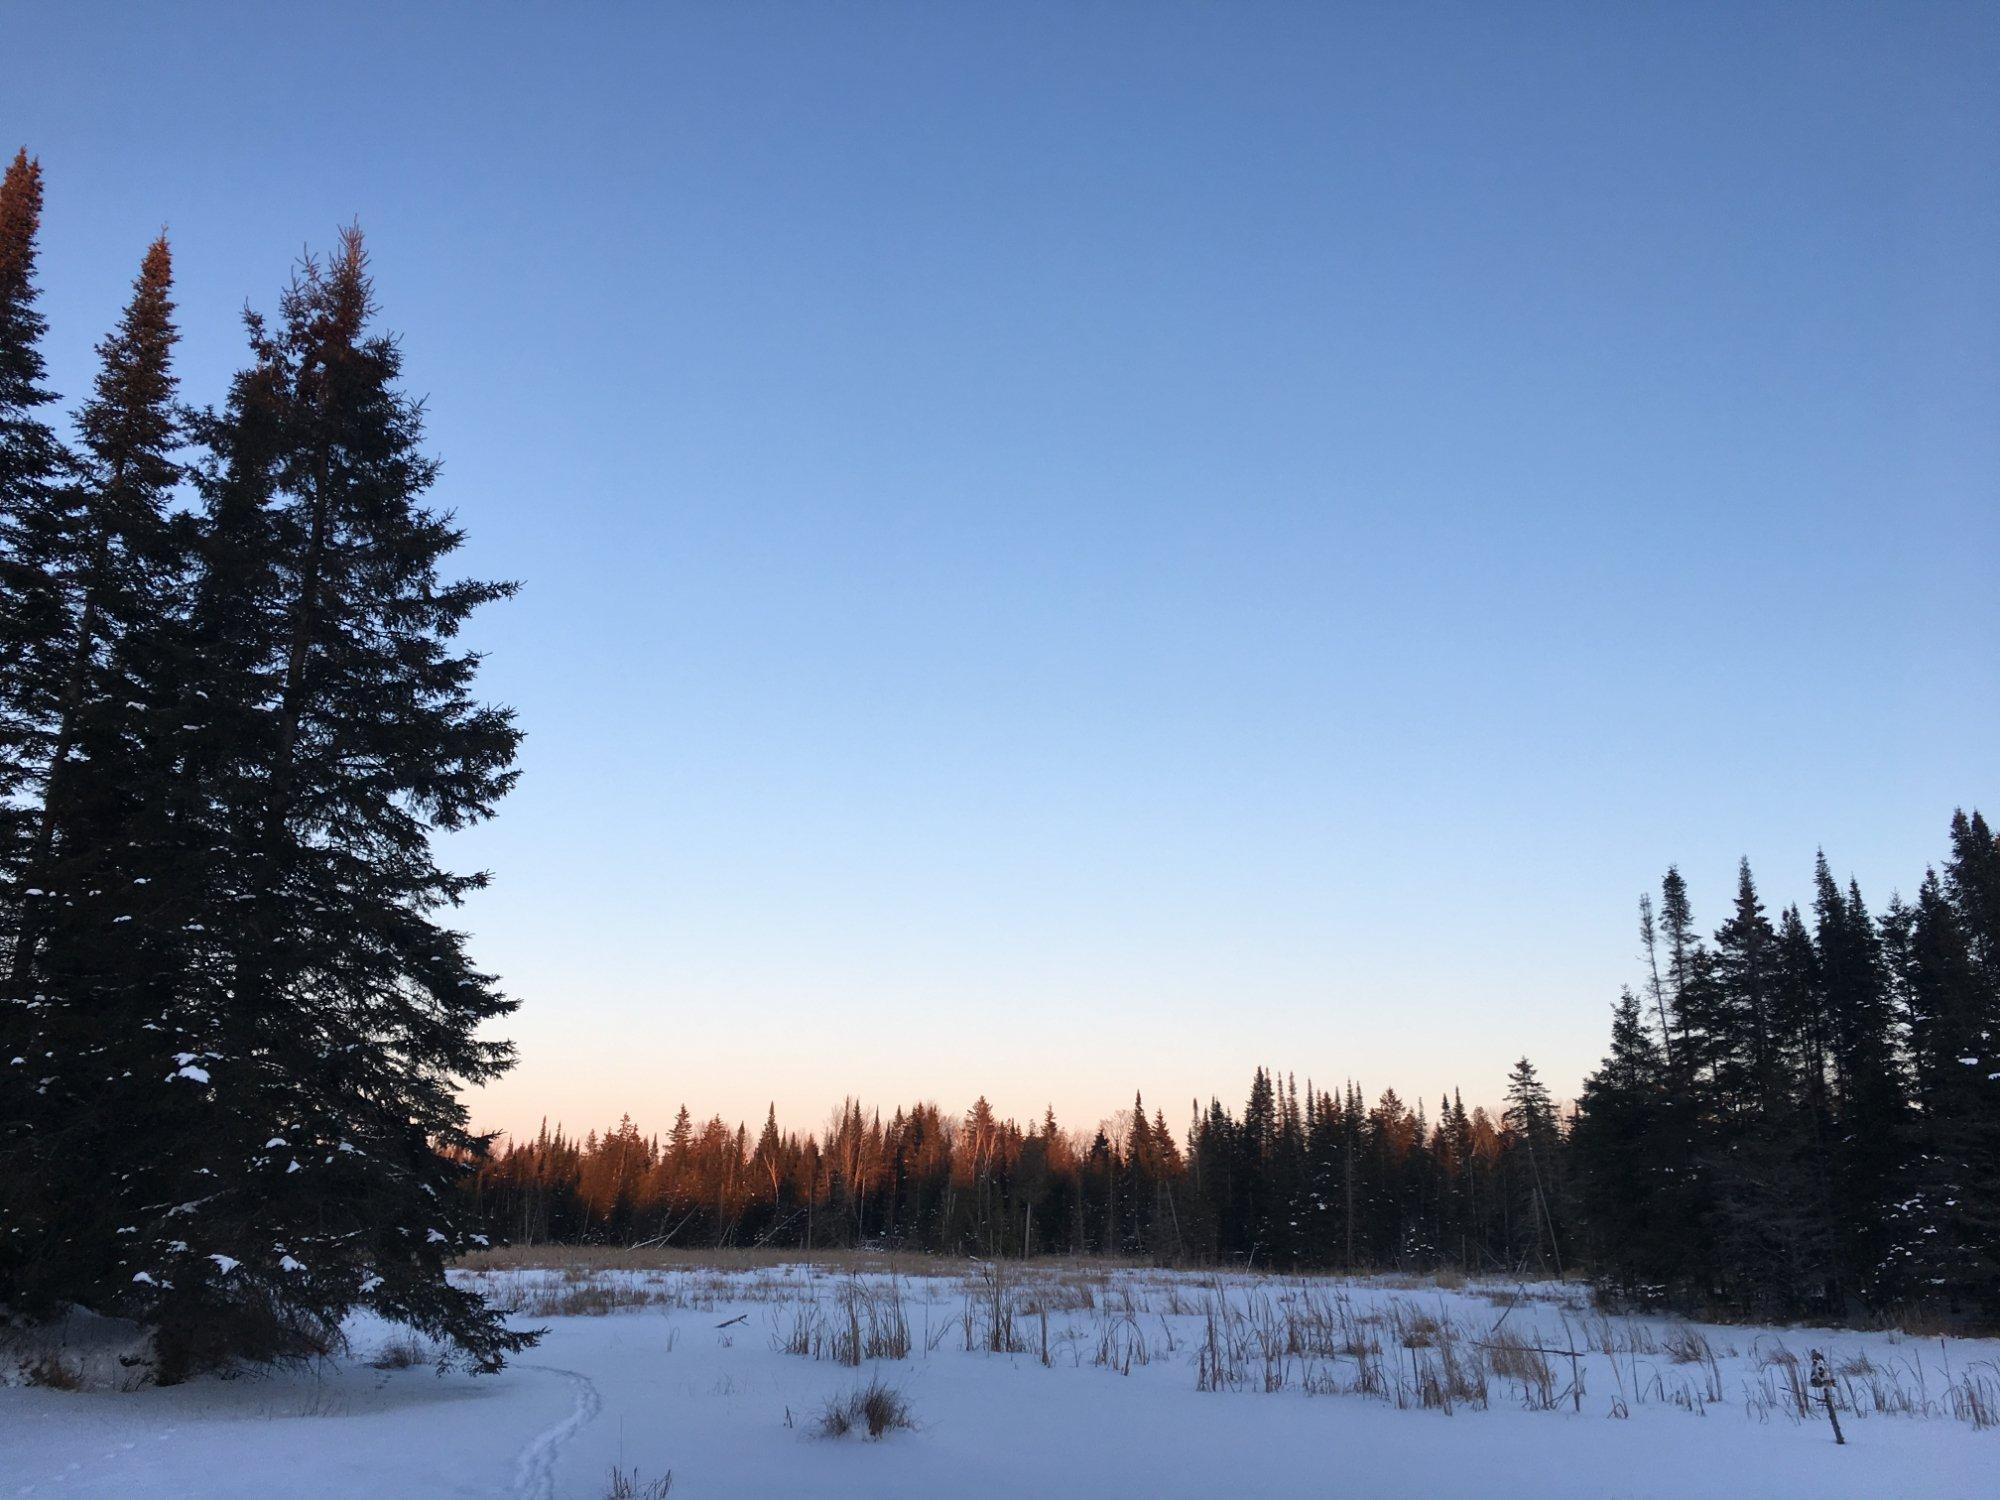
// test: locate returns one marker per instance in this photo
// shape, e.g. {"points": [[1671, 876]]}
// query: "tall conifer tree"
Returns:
{"points": [[91, 949], [35, 606], [1616, 1144], [332, 1018], [1869, 1093]]}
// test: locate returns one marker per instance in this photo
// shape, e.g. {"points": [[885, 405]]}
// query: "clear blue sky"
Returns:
{"points": [[1080, 548]]}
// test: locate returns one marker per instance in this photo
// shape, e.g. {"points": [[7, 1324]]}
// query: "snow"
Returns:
{"points": [[690, 1374]]}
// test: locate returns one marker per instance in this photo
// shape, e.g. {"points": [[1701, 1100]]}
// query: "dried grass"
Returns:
{"points": [[875, 1409]]}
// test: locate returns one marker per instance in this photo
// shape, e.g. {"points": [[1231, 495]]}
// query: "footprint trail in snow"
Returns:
{"points": [[535, 1469]]}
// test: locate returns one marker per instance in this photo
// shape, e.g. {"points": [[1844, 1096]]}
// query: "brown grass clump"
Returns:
{"points": [[1418, 1331], [1685, 1347], [875, 1409], [866, 1323], [404, 1352], [1513, 1360]]}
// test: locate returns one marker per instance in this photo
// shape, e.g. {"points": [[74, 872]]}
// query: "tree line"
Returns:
{"points": [[1321, 1179], [1796, 1117], [233, 1023]]}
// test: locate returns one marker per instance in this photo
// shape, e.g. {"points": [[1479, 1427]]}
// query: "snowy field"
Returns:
{"points": [[1044, 1381]]}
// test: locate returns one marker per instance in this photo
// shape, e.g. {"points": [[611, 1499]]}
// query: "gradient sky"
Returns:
{"points": [[1073, 549]]}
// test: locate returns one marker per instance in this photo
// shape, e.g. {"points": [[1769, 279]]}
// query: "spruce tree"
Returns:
{"points": [[1687, 1215], [32, 614], [1758, 1146], [1743, 977], [96, 950], [34, 508], [1972, 881], [1868, 1085], [1972, 885], [1691, 995], [1256, 1141], [1944, 1226], [1618, 1161], [1803, 1052], [113, 563], [327, 1017], [1537, 1137]]}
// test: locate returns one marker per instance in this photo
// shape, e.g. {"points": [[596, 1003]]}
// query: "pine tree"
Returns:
{"points": [[328, 1018]]}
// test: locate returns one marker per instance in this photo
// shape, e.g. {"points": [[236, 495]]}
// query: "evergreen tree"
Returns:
{"points": [[35, 506], [329, 1018], [113, 564], [1256, 1139], [94, 951], [1868, 1085], [1618, 1160], [1803, 1051], [1656, 988], [1742, 981], [1687, 1107], [1757, 1145], [1287, 1174], [31, 618], [1972, 881], [1531, 1116], [1944, 1227]]}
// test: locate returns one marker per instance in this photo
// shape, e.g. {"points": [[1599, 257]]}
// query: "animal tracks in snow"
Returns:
{"points": [[535, 1469]]}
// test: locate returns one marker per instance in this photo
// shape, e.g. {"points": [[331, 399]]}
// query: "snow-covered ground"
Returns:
{"points": [[1104, 1384]]}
